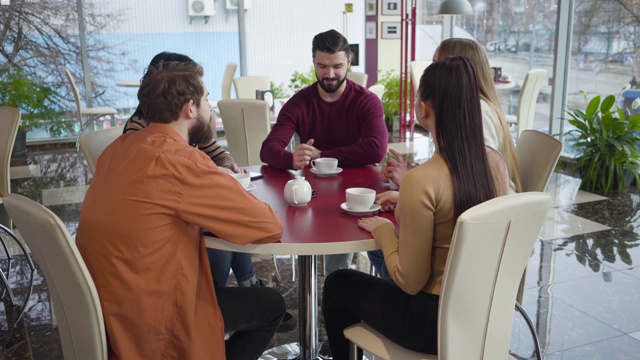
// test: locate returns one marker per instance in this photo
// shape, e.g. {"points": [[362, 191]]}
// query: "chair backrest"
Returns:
{"points": [[246, 86], [490, 248], [537, 154], [94, 143], [533, 82], [416, 68], [76, 94], [377, 89], [9, 121], [227, 80], [73, 293], [246, 125], [359, 78]]}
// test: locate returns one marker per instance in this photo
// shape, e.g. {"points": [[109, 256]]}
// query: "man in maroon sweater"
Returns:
{"points": [[333, 117]]}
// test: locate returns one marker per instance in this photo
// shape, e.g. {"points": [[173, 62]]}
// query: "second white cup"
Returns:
{"points": [[243, 179], [325, 165], [360, 198]]}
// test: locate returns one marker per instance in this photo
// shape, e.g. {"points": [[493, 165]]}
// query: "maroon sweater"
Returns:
{"points": [[351, 129]]}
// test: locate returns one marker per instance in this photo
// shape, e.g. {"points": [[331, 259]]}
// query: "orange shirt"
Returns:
{"points": [[140, 236]]}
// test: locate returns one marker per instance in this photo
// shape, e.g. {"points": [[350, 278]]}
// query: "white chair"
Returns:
{"points": [[246, 125], [227, 81], [9, 121], [491, 244], [93, 144], [92, 113], [246, 86], [73, 293], [416, 68], [377, 89], [533, 82], [537, 154], [359, 78]]}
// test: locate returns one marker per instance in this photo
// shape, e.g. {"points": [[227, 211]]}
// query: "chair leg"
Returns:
{"points": [[353, 351], [534, 335], [275, 266]]}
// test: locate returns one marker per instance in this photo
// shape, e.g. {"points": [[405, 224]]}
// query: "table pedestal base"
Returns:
{"points": [[290, 352]]}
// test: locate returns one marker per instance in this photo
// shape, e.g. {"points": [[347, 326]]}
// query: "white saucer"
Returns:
{"points": [[251, 187], [338, 170], [372, 210]]}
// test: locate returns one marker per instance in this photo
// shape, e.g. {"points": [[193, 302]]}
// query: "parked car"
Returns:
{"points": [[494, 46]]}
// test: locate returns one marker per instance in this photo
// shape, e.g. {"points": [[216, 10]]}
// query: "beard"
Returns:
{"points": [[201, 132], [334, 88]]}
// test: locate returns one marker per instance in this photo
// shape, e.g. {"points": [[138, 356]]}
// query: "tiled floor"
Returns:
{"points": [[583, 281]]}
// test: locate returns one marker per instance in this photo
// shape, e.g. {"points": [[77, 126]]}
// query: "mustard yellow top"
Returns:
{"points": [[425, 211]]}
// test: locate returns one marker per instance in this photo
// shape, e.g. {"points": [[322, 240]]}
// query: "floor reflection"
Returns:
{"points": [[582, 284]]}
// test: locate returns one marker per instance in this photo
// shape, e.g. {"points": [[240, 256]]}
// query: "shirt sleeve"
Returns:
{"points": [[215, 201], [490, 127], [372, 144], [273, 151], [217, 154], [408, 258]]}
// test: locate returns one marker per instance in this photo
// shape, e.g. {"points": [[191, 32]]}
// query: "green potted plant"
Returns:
{"points": [[607, 142], [391, 98], [37, 104]]}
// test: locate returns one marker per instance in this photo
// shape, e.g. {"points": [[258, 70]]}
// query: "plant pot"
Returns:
{"points": [[391, 122], [20, 145], [628, 181]]}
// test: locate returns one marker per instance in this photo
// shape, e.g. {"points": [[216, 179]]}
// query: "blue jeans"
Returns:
{"points": [[377, 260], [221, 261]]}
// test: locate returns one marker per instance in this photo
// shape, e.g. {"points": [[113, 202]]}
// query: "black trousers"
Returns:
{"points": [[254, 315], [351, 296]]}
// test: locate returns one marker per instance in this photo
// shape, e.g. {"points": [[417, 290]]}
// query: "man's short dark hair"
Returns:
{"points": [[165, 89], [330, 42]]}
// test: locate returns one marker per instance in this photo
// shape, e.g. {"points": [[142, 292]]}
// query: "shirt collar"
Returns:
{"points": [[168, 130]]}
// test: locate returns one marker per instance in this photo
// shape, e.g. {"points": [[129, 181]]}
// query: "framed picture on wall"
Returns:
{"points": [[370, 30], [371, 8], [391, 7], [391, 30]]}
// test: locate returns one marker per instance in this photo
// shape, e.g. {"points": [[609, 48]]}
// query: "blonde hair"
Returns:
{"points": [[472, 50]]}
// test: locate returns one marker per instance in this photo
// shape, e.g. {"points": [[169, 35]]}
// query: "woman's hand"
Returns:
{"points": [[388, 200], [396, 168], [237, 169], [371, 223]]}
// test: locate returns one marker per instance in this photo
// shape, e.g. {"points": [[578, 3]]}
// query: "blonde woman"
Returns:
{"points": [[494, 126]]}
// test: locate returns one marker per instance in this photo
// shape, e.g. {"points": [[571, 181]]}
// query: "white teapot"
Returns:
{"points": [[297, 192]]}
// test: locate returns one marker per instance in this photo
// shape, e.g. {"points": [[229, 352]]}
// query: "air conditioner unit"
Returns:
{"points": [[233, 4], [201, 8]]}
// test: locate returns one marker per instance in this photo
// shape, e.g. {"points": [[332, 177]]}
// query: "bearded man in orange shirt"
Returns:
{"points": [[140, 234]]}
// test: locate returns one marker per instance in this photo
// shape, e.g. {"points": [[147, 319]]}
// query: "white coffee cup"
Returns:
{"points": [[324, 165], [243, 179], [360, 198]]}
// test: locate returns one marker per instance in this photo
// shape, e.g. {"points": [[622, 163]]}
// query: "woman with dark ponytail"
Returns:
{"points": [[462, 173]]}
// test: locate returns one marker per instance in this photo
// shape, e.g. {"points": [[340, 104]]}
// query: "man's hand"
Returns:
{"points": [[304, 153]]}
